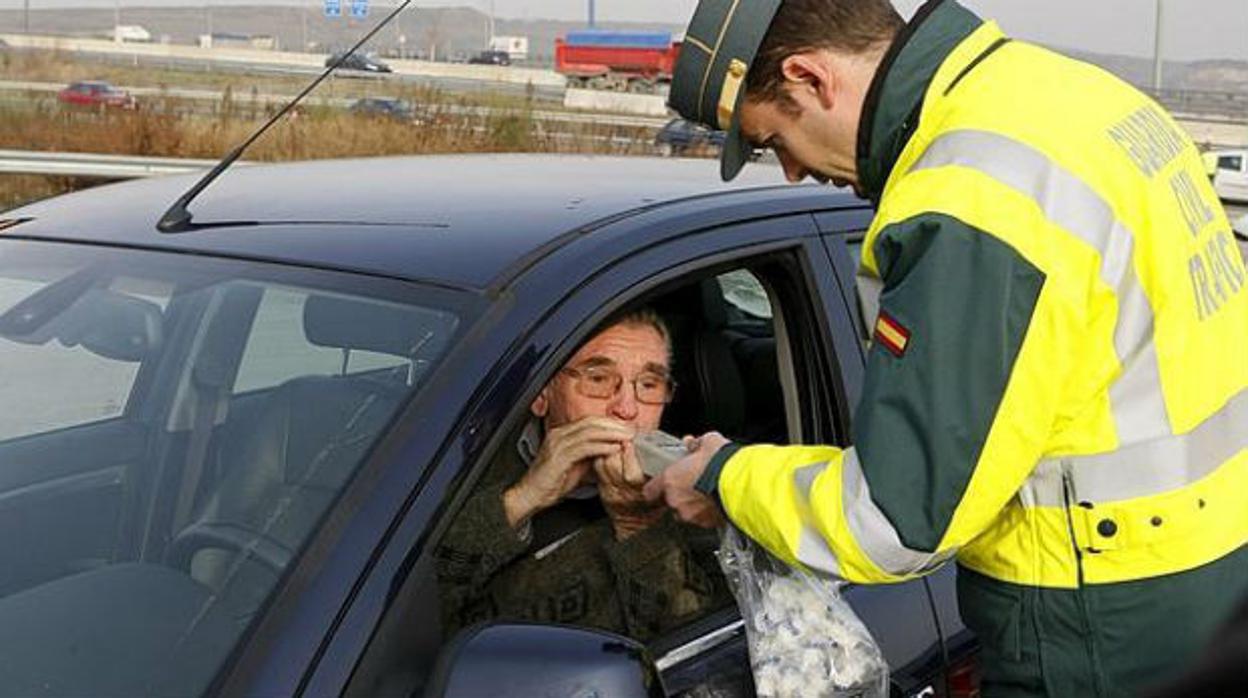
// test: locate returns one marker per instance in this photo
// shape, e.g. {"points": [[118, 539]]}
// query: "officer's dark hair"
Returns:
{"points": [[846, 26]]}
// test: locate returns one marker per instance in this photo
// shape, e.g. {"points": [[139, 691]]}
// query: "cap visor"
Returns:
{"points": [[735, 153]]}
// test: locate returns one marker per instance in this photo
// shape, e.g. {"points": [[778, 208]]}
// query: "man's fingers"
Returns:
{"points": [[609, 468], [631, 471], [604, 427], [576, 452], [653, 490], [601, 431]]}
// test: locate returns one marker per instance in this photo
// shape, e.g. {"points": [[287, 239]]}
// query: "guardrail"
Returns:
{"points": [[92, 165]]}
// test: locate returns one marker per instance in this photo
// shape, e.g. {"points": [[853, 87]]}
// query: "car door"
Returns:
{"points": [[404, 652]]}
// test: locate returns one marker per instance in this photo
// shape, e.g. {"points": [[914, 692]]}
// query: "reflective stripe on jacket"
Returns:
{"points": [[1057, 393]]}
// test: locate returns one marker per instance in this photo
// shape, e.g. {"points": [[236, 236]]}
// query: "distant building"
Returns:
{"points": [[515, 46]]}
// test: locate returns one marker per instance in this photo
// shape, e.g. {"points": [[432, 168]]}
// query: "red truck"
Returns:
{"points": [[612, 60]]}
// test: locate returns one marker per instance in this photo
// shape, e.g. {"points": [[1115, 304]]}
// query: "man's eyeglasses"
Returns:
{"points": [[604, 383]]}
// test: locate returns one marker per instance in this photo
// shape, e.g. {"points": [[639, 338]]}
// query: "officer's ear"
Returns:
{"points": [[811, 74]]}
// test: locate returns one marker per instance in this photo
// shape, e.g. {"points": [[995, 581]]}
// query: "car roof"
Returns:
{"points": [[461, 220]]}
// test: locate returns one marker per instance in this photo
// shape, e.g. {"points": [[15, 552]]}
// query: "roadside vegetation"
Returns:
{"points": [[169, 127]]}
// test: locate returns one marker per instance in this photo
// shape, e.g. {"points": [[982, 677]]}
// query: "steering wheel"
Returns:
{"points": [[227, 536]]}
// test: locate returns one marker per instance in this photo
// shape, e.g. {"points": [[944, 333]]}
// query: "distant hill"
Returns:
{"points": [[1214, 76], [456, 33], [447, 33]]}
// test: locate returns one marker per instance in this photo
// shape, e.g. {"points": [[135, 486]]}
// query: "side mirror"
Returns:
{"points": [[525, 660]]}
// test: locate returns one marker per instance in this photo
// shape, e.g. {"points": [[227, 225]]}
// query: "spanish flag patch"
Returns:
{"points": [[891, 335]]}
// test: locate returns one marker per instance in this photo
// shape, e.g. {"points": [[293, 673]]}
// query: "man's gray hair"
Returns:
{"points": [[641, 316]]}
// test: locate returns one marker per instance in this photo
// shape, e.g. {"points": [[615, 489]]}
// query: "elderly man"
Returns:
{"points": [[559, 530]]}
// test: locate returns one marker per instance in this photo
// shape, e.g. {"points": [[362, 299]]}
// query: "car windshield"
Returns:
{"points": [[173, 428]]}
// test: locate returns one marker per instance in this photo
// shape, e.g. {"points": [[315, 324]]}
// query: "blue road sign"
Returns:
{"points": [[333, 8], [359, 8]]}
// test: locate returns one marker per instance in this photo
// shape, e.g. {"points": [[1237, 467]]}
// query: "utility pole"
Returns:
{"points": [[1157, 52], [25, 16], [591, 14]]}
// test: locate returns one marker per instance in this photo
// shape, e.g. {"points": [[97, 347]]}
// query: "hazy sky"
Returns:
{"points": [[1194, 29]]}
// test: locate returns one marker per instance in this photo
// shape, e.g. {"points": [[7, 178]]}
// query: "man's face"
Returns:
{"points": [[632, 351], [804, 138]]}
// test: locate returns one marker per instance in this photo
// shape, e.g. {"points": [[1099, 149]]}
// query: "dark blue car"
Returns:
{"points": [[679, 136], [227, 454]]}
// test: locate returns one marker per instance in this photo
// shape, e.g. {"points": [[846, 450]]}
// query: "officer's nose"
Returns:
{"points": [[794, 172]]}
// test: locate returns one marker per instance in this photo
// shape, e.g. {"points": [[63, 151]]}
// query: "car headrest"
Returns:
{"points": [[348, 323]]}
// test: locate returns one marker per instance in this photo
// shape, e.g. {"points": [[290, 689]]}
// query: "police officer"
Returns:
{"points": [[1056, 393]]}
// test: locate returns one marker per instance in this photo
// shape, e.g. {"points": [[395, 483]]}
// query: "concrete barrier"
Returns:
{"points": [[488, 73], [618, 102]]}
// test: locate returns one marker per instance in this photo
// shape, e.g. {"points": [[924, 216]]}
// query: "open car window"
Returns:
{"points": [[566, 568]]}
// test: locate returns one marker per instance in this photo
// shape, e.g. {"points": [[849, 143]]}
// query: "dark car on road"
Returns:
{"points": [[360, 62], [384, 108], [95, 93], [491, 58], [679, 137], [228, 454]]}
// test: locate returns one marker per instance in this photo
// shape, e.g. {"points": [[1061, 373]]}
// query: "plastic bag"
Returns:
{"points": [[804, 639]]}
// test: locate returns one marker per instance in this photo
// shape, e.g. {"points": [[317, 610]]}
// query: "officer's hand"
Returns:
{"points": [[566, 455], [620, 482], [675, 486]]}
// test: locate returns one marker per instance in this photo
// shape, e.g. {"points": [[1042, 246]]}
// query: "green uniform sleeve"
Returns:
{"points": [[967, 300]]}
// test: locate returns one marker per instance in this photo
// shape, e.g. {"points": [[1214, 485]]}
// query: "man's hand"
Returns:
{"points": [[675, 486], [620, 482], [566, 455]]}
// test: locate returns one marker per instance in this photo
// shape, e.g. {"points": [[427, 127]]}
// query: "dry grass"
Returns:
{"points": [[316, 133], [168, 127]]}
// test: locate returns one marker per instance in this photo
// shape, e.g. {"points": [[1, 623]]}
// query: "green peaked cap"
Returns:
{"points": [[708, 83]]}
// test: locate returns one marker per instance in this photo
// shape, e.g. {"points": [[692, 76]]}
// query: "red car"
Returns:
{"points": [[93, 93]]}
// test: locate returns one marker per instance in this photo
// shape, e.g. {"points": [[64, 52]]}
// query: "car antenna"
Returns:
{"points": [[178, 218]]}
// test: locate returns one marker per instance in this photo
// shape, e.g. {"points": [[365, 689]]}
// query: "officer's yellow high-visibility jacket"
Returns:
{"points": [[1057, 389]]}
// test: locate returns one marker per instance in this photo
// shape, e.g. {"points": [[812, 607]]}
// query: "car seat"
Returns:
{"points": [[282, 473], [713, 391]]}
